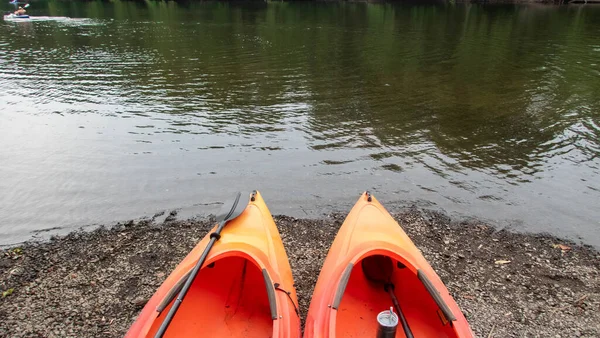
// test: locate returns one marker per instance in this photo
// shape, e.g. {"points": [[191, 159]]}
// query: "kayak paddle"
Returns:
{"points": [[228, 212]]}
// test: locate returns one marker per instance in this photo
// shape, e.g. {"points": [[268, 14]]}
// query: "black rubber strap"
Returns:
{"points": [[289, 294], [215, 235]]}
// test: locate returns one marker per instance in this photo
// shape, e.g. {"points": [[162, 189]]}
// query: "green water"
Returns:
{"points": [[115, 110]]}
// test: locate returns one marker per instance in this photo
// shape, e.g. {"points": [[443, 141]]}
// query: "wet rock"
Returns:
{"points": [[140, 301]]}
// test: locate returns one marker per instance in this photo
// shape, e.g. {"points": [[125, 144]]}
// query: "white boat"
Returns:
{"points": [[15, 17]]}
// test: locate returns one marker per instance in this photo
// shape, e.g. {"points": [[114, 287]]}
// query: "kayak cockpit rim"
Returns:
{"points": [[339, 293], [174, 291], [270, 294], [435, 294], [401, 263]]}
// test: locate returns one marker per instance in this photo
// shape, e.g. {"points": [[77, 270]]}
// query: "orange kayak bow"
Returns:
{"points": [[370, 255], [244, 289]]}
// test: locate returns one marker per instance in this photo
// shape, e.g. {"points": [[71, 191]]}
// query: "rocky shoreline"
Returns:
{"points": [[90, 284]]}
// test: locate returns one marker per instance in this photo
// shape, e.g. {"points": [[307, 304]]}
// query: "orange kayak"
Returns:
{"points": [[244, 289], [370, 255]]}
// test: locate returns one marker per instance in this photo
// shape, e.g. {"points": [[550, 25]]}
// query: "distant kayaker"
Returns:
{"points": [[20, 11]]}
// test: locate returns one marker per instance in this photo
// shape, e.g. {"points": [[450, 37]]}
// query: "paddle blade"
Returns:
{"points": [[234, 207], [27, 5]]}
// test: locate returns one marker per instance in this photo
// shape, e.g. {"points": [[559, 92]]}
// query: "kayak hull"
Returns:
{"points": [[12, 16], [346, 302], [234, 294]]}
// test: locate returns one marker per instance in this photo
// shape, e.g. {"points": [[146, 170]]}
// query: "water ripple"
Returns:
{"points": [[467, 108]]}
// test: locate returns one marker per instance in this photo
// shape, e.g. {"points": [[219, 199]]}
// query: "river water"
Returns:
{"points": [[116, 110]]}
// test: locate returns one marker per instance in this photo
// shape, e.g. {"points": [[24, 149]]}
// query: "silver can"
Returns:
{"points": [[388, 322]]}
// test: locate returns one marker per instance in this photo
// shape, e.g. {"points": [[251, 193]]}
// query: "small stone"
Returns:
{"points": [[140, 301], [17, 271]]}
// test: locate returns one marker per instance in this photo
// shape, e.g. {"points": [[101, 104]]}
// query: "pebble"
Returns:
{"points": [[104, 297]]}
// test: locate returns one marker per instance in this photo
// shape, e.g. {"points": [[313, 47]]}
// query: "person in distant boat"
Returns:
{"points": [[20, 11]]}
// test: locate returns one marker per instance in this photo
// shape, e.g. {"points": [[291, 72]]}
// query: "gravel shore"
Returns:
{"points": [[91, 284]]}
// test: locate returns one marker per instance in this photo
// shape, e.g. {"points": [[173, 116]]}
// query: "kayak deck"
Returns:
{"points": [[236, 292], [233, 290], [369, 252]]}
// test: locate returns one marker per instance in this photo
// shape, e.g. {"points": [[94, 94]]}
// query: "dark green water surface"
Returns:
{"points": [[116, 110]]}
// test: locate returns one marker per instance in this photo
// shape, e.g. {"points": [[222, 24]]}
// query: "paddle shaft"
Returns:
{"points": [[188, 283], [405, 326]]}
